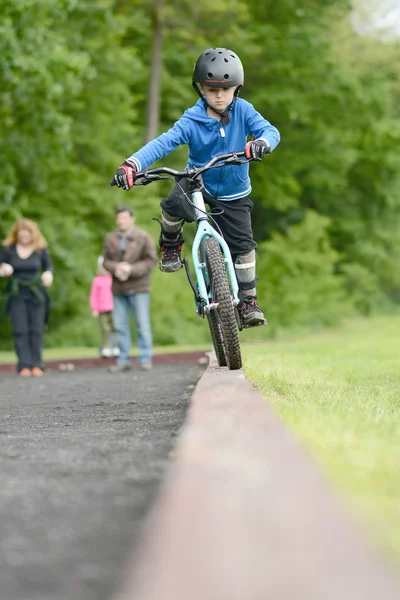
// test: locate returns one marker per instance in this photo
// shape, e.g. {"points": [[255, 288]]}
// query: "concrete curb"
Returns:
{"points": [[244, 514]]}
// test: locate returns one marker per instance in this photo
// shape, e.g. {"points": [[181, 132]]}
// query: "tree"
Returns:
{"points": [[64, 108], [170, 37]]}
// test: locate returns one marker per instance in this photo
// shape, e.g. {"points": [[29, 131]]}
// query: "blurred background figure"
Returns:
{"points": [[130, 255], [101, 305], [25, 260]]}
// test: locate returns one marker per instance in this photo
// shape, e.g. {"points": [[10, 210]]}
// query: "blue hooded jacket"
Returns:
{"points": [[206, 137]]}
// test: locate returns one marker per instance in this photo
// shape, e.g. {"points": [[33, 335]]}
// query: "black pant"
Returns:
{"points": [[27, 314], [233, 217]]}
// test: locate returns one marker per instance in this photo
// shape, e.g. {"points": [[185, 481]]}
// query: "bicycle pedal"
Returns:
{"points": [[167, 269]]}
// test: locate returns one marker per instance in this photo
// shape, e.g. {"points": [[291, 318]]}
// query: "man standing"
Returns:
{"points": [[129, 255]]}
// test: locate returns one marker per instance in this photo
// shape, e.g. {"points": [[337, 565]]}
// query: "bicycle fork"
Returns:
{"points": [[204, 230]]}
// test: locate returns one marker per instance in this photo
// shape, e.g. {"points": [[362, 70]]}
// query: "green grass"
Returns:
{"points": [[75, 353], [339, 393]]}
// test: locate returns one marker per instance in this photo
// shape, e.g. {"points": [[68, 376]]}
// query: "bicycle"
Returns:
{"points": [[216, 287]]}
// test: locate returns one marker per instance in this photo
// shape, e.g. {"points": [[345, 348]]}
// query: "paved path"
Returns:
{"points": [[81, 457], [245, 515]]}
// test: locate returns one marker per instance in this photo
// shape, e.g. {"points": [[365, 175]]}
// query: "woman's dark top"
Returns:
{"points": [[29, 268], [26, 279]]}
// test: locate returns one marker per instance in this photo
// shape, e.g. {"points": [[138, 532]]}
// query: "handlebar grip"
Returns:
{"points": [[113, 182]]}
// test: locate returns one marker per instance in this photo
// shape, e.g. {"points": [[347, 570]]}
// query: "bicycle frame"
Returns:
{"points": [[204, 230]]}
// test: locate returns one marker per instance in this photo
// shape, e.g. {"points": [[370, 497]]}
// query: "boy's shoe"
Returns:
{"points": [[119, 368], [115, 351], [37, 372], [106, 353], [250, 313], [170, 258], [25, 373]]}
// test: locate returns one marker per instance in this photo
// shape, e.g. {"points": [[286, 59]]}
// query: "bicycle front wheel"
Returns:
{"points": [[223, 317], [213, 322]]}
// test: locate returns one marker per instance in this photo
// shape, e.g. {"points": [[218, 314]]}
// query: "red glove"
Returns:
{"points": [[257, 149], [125, 175]]}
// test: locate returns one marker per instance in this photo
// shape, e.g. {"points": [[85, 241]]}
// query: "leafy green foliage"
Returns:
{"points": [[73, 86], [299, 285]]}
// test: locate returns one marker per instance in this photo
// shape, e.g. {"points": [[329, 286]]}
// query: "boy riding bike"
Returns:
{"points": [[218, 123]]}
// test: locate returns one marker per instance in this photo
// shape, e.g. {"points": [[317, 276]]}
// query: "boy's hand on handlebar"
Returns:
{"points": [[125, 175], [257, 149]]}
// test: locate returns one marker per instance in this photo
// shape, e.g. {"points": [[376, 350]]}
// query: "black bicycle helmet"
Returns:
{"points": [[218, 67]]}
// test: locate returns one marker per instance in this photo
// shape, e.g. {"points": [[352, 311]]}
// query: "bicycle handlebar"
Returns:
{"points": [[150, 175]]}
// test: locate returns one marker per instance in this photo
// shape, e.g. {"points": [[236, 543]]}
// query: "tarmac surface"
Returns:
{"points": [[81, 457]]}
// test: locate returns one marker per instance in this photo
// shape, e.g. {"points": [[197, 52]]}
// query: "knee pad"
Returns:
{"points": [[179, 207]]}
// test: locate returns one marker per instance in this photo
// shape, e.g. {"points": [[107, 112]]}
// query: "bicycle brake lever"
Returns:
{"points": [[146, 179], [234, 160]]}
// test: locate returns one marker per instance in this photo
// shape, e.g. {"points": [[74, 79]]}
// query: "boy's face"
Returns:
{"points": [[218, 98]]}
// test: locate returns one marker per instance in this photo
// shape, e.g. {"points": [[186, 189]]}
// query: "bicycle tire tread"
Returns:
{"points": [[225, 310], [213, 324]]}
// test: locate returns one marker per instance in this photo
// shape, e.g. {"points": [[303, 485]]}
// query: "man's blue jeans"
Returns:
{"points": [[139, 305]]}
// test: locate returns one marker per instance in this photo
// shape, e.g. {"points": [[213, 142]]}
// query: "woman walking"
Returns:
{"points": [[25, 260]]}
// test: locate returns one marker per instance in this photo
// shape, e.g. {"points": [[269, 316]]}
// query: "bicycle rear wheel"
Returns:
{"points": [[222, 319]]}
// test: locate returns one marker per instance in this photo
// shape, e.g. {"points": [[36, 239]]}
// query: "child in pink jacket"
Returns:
{"points": [[101, 304]]}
